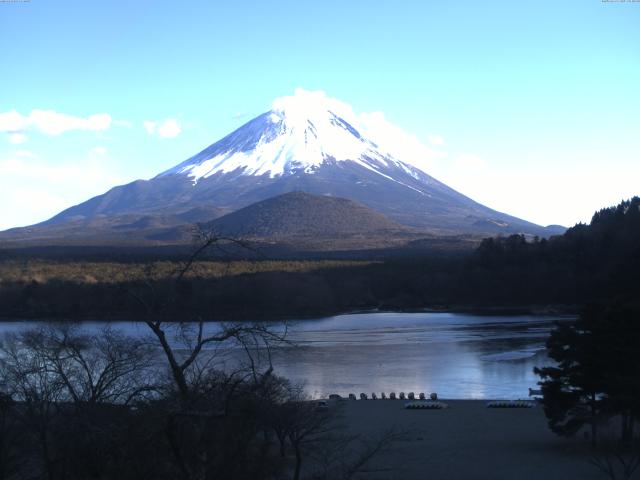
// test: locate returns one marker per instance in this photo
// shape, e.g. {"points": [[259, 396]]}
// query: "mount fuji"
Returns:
{"points": [[306, 143]]}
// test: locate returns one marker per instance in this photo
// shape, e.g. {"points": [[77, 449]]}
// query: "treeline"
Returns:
{"points": [[28, 270], [587, 262], [259, 295]]}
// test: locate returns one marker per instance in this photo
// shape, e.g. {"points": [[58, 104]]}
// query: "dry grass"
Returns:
{"points": [[43, 271]]}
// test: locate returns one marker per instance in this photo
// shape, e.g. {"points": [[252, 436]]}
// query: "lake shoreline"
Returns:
{"points": [[507, 310]]}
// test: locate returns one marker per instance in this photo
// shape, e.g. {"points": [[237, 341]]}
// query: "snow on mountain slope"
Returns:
{"points": [[300, 133], [309, 143]]}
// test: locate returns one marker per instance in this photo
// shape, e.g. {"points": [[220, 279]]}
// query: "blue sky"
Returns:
{"points": [[532, 106]]}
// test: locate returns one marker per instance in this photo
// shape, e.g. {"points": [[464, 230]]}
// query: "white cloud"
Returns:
{"points": [[51, 122], [561, 195], [399, 143], [169, 128], [150, 126], [12, 121], [25, 154], [373, 126], [435, 140], [17, 138], [99, 150], [467, 161], [123, 123], [34, 190], [303, 103], [54, 123]]}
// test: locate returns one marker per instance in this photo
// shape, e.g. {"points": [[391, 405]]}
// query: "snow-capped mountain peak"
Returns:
{"points": [[307, 143], [300, 133]]}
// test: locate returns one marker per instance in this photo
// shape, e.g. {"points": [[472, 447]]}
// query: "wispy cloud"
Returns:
{"points": [[98, 150], [168, 128], [123, 123], [469, 161], [150, 126], [435, 140], [12, 121], [399, 143], [42, 188], [374, 126], [25, 154], [17, 138], [51, 122]]}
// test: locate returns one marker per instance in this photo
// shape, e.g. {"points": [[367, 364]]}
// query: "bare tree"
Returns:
{"points": [[28, 380], [318, 439], [205, 390], [252, 337], [105, 368], [66, 386]]}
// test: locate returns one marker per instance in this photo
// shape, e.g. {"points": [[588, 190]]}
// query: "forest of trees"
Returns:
{"points": [[600, 260], [589, 262]]}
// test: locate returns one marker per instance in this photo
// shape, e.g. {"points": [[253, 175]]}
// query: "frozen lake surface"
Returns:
{"points": [[455, 355]]}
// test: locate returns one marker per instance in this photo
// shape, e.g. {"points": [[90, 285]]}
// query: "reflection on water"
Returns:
{"points": [[455, 355]]}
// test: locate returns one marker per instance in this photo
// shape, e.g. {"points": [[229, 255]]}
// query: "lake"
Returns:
{"points": [[456, 355]]}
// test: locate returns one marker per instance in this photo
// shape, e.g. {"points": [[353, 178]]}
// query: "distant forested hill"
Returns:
{"points": [[599, 261]]}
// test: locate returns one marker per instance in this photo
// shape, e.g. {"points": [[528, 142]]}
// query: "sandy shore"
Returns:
{"points": [[468, 441]]}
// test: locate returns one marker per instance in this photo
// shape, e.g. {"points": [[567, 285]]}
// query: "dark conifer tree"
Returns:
{"points": [[598, 371], [573, 390]]}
